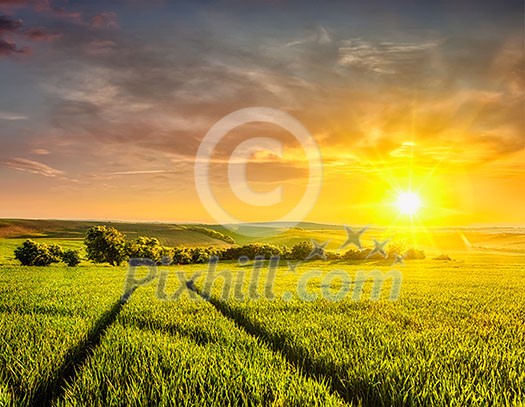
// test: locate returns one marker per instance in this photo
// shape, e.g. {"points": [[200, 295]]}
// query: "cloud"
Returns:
{"points": [[11, 27], [104, 20], [46, 6], [33, 167], [11, 116], [7, 24], [40, 6], [13, 2], [100, 47], [39, 34], [40, 151], [318, 35], [139, 172], [10, 48], [382, 57]]}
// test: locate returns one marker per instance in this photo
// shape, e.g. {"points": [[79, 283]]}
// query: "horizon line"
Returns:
{"points": [[283, 224]]}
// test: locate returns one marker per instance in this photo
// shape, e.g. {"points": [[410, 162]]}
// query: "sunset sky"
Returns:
{"points": [[103, 106]]}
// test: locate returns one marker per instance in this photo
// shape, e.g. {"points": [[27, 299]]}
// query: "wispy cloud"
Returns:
{"points": [[11, 116], [33, 167], [318, 35], [138, 172], [40, 151], [381, 57]]}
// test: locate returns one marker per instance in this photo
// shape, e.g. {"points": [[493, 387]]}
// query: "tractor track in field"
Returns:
{"points": [[50, 390], [303, 363]]}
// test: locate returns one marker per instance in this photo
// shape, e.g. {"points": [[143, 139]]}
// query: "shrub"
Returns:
{"points": [[200, 254], [32, 253], [71, 258], [181, 255], [442, 257], [105, 245], [415, 254], [332, 255], [301, 250], [395, 247], [354, 254], [251, 251]]}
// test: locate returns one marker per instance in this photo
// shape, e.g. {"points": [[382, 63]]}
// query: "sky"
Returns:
{"points": [[104, 105]]}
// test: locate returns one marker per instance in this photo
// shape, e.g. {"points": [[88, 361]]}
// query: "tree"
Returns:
{"points": [[145, 248], [182, 255], [301, 250], [71, 257], [105, 245], [397, 247], [32, 253]]}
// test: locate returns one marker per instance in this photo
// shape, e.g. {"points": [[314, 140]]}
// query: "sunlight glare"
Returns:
{"points": [[408, 203]]}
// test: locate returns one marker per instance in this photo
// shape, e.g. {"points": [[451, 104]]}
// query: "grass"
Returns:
{"points": [[45, 316], [454, 337], [159, 353]]}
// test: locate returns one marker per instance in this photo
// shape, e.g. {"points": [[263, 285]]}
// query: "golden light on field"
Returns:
{"points": [[408, 203]]}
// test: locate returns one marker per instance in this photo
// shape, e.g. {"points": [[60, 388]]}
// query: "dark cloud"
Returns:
{"points": [[8, 24], [12, 27], [10, 48]]}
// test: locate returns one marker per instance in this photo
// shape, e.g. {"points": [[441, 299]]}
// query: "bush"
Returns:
{"points": [[105, 245], [415, 254], [395, 247], [250, 251], [354, 254], [332, 255], [301, 250], [442, 257], [32, 253], [181, 255], [71, 258], [201, 254]]}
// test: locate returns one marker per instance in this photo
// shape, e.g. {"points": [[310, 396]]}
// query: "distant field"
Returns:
{"points": [[168, 234], [435, 240], [454, 337]]}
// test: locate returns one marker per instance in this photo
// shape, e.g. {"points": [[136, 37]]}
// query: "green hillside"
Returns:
{"points": [[168, 234]]}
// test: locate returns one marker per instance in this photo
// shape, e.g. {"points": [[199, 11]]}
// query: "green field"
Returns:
{"points": [[454, 337]]}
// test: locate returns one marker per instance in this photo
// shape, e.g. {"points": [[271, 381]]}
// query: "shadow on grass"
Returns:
{"points": [[198, 335]]}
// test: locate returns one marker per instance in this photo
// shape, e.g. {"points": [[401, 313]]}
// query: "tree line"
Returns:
{"points": [[105, 244]]}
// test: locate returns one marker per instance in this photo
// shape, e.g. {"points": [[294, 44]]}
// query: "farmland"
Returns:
{"points": [[453, 337]]}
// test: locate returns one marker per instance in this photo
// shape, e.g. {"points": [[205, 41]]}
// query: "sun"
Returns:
{"points": [[408, 203]]}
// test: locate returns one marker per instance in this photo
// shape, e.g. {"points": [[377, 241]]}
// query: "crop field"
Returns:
{"points": [[453, 337]]}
